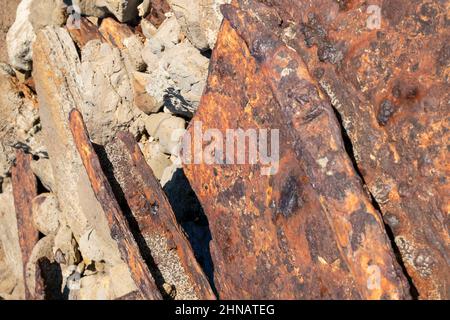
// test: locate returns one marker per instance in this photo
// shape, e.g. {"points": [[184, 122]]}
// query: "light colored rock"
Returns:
{"points": [[200, 20], [46, 213], [43, 249], [168, 35], [103, 70], [123, 10], [168, 174], [65, 248], [142, 99], [167, 129], [144, 8], [179, 79], [31, 16], [19, 120], [11, 269], [59, 87], [95, 287], [155, 158], [148, 29], [42, 168]]}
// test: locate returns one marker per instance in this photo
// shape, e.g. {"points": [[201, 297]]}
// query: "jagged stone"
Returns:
{"points": [[167, 129], [11, 270], [46, 213], [31, 16], [200, 20], [59, 91]]}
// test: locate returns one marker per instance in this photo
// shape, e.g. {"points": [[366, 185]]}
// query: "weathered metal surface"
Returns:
{"points": [[25, 190], [310, 231], [390, 84], [119, 228], [169, 248]]}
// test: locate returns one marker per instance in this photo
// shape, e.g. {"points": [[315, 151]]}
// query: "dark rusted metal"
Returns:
{"points": [[154, 216], [25, 190], [390, 84], [310, 231], [119, 228]]}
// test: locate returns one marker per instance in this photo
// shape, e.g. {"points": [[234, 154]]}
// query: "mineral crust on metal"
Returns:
{"points": [[384, 67], [309, 231]]}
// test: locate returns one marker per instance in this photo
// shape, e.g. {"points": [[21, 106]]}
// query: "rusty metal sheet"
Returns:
{"points": [[24, 185], [310, 231], [161, 234], [119, 227], [385, 65]]}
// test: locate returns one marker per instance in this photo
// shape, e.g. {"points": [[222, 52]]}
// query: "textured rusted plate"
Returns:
{"points": [[25, 190], [169, 248], [120, 230], [309, 231], [385, 66], [158, 10], [86, 32]]}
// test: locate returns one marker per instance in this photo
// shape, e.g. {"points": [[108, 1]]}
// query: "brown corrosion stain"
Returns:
{"points": [[255, 76]]}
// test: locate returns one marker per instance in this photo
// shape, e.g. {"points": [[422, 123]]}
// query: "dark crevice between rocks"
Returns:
{"points": [[191, 217], [349, 149], [134, 226]]}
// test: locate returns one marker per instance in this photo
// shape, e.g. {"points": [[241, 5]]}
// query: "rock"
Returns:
{"points": [[167, 129], [123, 37], [65, 248], [59, 88], [296, 222], [168, 174], [148, 29], [42, 168], [200, 20], [46, 213], [402, 155], [168, 35], [43, 249], [177, 83], [11, 270], [144, 8], [89, 8], [155, 158], [31, 16], [123, 10], [142, 99], [95, 287], [19, 120], [103, 70]]}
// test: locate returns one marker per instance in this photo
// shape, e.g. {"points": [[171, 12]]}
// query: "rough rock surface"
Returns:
{"points": [[11, 270], [175, 83], [80, 207], [46, 213], [31, 16], [19, 120], [103, 70], [200, 20]]}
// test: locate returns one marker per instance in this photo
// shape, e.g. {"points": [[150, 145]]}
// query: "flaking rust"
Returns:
{"points": [[119, 227], [309, 231], [142, 193], [385, 65], [25, 190]]}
